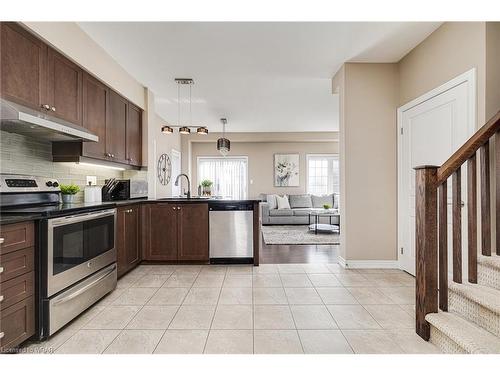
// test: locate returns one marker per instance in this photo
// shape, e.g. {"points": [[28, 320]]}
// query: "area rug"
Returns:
{"points": [[296, 235]]}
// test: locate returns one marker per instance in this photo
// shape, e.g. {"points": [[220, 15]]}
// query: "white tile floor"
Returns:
{"points": [[285, 308]]}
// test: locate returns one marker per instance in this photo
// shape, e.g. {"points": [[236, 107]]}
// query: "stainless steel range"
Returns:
{"points": [[76, 248]]}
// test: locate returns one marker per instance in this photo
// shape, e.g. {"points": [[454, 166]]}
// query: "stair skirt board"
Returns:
{"points": [[474, 312]]}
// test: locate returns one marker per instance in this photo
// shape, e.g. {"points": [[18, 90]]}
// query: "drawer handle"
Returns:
{"points": [[85, 288]]}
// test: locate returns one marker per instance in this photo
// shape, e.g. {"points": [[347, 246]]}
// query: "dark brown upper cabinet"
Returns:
{"points": [[64, 88], [37, 76], [95, 107], [134, 135], [23, 67], [116, 128]]}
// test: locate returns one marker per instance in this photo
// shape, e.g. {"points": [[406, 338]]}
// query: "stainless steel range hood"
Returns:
{"points": [[15, 118]]}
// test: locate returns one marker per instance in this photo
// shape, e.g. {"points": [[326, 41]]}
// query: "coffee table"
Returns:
{"points": [[316, 226]]}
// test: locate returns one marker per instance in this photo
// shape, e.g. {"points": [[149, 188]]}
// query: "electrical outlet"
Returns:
{"points": [[91, 180]]}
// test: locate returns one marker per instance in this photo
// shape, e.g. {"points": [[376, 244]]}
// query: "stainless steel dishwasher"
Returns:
{"points": [[231, 232]]}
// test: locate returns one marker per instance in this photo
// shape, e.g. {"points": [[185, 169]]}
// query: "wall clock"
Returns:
{"points": [[164, 169]]}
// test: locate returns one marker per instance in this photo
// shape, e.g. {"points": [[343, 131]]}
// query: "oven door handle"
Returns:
{"points": [[80, 217], [85, 288]]}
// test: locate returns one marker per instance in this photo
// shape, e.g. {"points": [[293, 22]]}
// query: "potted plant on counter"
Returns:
{"points": [[68, 192], [207, 187]]}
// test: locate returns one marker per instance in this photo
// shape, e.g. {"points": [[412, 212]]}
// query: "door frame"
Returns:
{"points": [[468, 77]]}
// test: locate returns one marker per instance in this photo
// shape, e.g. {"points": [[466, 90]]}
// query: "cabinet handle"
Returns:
{"points": [[112, 155], [2, 334], [1, 270], [46, 106], [2, 240], [1, 298], [53, 109], [178, 208]]}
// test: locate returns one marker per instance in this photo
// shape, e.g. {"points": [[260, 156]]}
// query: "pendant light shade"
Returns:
{"points": [[202, 130], [167, 129], [184, 130], [223, 144]]}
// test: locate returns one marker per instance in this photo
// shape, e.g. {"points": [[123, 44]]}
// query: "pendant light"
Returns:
{"points": [[184, 129], [223, 144]]}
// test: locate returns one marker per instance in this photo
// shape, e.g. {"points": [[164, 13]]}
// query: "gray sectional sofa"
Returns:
{"points": [[300, 206]]}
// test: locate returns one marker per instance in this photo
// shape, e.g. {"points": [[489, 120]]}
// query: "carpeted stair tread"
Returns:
{"points": [[491, 261], [467, 335], [480, 294]]}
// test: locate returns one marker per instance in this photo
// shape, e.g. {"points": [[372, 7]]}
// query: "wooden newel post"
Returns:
{"points": [[426, 247]]}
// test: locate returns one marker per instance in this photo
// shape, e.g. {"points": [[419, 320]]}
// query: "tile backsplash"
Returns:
{"points": [[26, 155]]}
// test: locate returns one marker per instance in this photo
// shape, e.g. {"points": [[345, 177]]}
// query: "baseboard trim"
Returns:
{"points": [[353, 264]]}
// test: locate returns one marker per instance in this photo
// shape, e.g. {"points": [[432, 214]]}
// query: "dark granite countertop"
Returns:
{"points": [[10, 217]]}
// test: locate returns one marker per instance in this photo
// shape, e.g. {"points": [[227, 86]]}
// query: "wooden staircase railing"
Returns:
{"points": [[432, 220]]}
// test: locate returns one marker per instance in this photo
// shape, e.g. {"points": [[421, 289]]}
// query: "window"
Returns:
{"points": [[228, 174], [323, 174]]}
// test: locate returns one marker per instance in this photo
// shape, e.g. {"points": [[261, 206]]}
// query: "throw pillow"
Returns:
{"points": [[300, 201], [271, 201], [282, 202]]}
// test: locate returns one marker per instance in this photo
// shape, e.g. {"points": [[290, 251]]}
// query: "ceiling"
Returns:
{"points": [[262, 76]]}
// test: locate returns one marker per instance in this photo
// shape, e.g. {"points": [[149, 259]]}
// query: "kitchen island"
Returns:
{"points": [[177, 231]]}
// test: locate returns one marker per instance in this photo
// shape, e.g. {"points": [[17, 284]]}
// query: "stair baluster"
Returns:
{"points": [[485, 199], [456, 208], [472, 218], [443, 245]]}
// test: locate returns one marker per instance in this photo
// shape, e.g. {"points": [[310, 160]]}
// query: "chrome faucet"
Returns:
{"points": [[188, 195]]}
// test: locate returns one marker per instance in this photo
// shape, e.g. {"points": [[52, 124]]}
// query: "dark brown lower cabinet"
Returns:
{"points": [[127, 238], [17, 312], [175, 232], [192, 222]]}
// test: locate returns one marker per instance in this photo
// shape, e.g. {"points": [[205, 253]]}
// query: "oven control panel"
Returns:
{"points": [[25, 184]]}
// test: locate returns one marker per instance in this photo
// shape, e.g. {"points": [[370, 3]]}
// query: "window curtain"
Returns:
{"points": [[229, 176]]}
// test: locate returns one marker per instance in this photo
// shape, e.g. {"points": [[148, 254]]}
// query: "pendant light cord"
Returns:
{"points": [[178, 104], [190, 105]]}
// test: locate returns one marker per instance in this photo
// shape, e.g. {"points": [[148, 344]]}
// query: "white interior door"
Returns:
{"points": [[176, 170], [432, 130]]}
